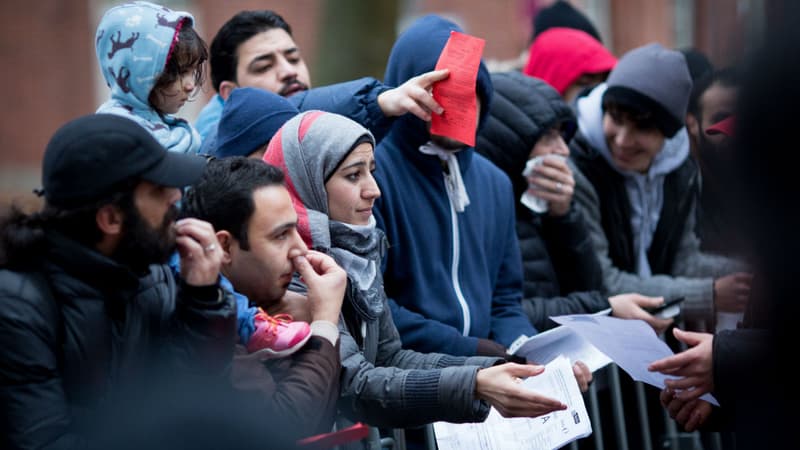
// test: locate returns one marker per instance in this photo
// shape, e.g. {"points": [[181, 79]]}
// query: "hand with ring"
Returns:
{"points": [[553, 181], [200, 255]]}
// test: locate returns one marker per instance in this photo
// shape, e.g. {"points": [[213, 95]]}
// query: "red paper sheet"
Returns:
{"points": [[456, 93], [352, 433]]}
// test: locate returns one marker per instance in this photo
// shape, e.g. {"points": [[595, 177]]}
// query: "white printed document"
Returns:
{"points": [[631, 344], [546, 432], [547, 345]]}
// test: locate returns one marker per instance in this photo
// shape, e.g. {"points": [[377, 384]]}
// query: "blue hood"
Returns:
{"points": [[132, 43], [416, 52]]}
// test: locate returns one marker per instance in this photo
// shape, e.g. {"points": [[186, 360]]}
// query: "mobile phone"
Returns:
{"points": [[670, 308]]}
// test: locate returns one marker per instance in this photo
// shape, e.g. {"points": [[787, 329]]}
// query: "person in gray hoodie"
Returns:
{"points": [[528, 119], [637, 188]]}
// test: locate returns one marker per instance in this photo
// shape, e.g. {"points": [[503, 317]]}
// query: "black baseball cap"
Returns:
{"points": [[91, 156]]}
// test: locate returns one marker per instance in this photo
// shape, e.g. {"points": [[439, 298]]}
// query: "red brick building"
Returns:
{"points": [[49, 72]]}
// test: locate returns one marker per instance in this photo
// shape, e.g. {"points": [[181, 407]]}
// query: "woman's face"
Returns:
{"points": [[351, 189]]}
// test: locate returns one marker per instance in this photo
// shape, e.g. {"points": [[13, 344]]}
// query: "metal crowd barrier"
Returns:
{"points": [[607, 378]]}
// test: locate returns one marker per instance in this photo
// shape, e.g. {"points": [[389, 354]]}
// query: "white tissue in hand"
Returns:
{"points": [[531, 201]]}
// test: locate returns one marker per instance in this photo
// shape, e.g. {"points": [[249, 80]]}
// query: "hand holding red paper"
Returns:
{"points": [[456, 94]]}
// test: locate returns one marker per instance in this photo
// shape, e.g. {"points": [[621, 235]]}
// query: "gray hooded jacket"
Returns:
{"points": [[693, 271]]}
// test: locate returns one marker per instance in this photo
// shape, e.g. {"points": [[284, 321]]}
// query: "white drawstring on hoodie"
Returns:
{"points": [[452, 178]]}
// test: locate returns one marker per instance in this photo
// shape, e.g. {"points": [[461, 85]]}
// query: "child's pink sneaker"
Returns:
{"points": [[278, 335]]}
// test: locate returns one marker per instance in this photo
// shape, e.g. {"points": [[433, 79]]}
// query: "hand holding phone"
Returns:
{"points": [[669, 309]]}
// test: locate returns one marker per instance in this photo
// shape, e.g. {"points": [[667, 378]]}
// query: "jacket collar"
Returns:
{"points": [[89, 266]]}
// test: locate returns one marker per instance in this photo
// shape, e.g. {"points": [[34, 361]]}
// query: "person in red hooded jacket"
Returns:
{"points": [[570, 60]]}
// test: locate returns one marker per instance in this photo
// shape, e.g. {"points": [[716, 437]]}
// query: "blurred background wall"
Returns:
{"points": [[49, 74]]}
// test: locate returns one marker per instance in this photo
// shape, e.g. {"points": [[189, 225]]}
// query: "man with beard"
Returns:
{"points": [[252, 49], [91, 320], [256, 49]]}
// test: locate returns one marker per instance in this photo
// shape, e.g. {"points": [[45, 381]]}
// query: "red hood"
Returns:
{"points": [[560, 55]]}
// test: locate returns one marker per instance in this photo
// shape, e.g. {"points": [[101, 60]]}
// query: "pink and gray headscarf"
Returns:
{"points": [[308, 149]]}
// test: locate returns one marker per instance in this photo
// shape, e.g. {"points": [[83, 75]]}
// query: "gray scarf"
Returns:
{"points": [[308, 148], [360, 250]]}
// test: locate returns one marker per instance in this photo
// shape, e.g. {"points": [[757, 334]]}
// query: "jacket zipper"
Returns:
{"points": [[454, 268]]}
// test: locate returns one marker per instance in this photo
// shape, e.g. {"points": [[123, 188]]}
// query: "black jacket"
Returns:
{"points": [[562, 275], [82, 329]]}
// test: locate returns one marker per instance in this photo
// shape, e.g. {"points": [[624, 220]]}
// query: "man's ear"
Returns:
{"points": [[109, 220], [226, 241], [692, 125], [225, 89]]}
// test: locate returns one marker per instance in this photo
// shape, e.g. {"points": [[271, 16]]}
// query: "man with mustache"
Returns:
{"points": [[249, 206], [256, 49], [90, 316]]}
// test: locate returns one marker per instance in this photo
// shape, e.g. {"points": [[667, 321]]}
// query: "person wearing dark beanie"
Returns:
{"points": [[637, 187], [562, 14], [250, 118]]}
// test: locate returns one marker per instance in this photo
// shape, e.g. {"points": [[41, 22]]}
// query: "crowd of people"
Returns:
{"points": [[300, 259]]}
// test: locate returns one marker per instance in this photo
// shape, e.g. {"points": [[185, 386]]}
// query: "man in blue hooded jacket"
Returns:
{"points": [[453, 271], [256, 49]]}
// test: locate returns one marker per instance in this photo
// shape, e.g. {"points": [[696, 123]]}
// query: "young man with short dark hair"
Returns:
{"points": [[256, 227], [637, 187]]}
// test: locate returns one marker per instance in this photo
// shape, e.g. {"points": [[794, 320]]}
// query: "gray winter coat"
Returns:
{"points": [[690, 274], [384, 385]]}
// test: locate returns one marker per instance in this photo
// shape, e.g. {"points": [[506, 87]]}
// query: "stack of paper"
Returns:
{"points": [[546, 432]]}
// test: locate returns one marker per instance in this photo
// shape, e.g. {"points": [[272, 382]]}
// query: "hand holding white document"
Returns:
{"points": [[631, 344], [545, 432], [547, 345]]}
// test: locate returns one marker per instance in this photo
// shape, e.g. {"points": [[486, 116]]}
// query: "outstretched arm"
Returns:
{"points": [[499, 385], [373, 104], [698, 291], [414, 96], [392, 396]]}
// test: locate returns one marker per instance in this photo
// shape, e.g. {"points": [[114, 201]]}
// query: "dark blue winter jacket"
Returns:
{"points": [[356, 99], [451, 277]]}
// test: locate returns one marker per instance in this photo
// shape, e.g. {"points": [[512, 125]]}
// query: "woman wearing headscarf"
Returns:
{"points": [[328, 162]]}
